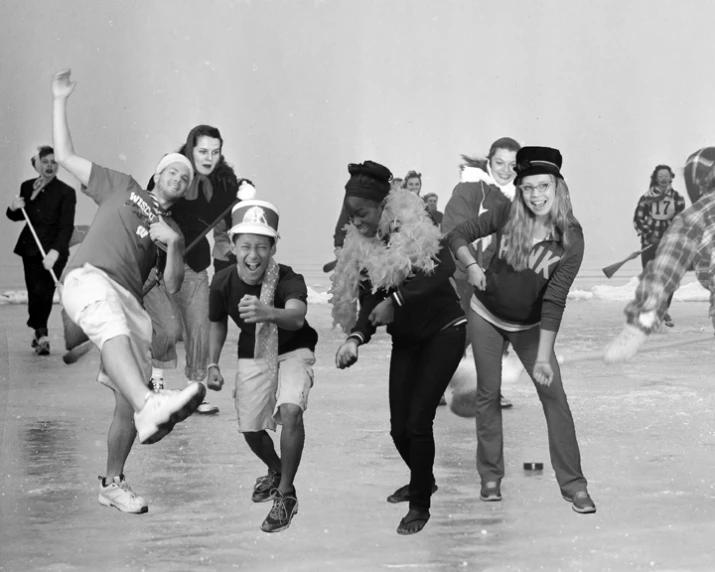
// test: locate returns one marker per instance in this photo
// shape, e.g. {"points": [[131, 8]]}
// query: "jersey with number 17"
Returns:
{"points": [[654, 214]]}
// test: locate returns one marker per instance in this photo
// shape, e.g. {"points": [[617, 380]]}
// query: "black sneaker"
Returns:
{"points": [[667, 320], [285, 507], [264, 487], [491, 492]]}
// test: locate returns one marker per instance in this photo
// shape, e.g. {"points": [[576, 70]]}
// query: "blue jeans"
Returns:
{"points": [[488, 342], [184, 313]]}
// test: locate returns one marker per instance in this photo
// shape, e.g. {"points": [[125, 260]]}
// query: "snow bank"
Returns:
{"points": [[692, 292]]}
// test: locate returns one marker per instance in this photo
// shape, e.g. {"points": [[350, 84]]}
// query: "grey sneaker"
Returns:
{"points": [[285, 507], [264, 487], [120, 495], [581, 502]]}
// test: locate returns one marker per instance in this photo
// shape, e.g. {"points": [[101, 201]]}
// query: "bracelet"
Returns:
{"points": [[470, 264], [208, 367]]}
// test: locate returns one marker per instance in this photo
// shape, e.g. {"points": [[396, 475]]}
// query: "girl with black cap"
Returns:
{"points": [[520, 300], [395, 262]]}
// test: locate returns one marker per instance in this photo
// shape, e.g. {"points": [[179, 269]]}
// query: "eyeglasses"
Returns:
{"points": [[541, 187]]}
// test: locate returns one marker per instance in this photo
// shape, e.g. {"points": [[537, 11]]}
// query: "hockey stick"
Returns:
{"points": [[613, 268], [76, 342]]}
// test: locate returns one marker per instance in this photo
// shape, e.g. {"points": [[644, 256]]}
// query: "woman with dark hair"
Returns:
{"points": [[212, 191], [520, 300], [654, 213], [395, 261], [413, 182], [485, 183], [50, 207]]}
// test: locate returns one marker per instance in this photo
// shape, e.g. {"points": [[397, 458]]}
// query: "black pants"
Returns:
{"points": [[646, 257], [40, 291], [419, 375]]}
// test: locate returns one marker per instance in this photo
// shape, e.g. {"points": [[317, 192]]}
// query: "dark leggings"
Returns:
{"points": [[563, 447], [419, 375], [40, 291], [646, 257]]}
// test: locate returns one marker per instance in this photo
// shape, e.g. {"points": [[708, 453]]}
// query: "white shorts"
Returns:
{"points": [[258, 398], [105, 310]]}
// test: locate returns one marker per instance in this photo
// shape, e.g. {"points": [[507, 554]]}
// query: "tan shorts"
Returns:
{"points": [[258, 398], [105, 310]]}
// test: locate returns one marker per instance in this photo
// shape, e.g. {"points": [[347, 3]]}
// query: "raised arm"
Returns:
{"points": [[62, 88]]}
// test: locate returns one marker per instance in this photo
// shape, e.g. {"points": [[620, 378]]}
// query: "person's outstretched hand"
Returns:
{"points": [[62, 85], [347, 354]]}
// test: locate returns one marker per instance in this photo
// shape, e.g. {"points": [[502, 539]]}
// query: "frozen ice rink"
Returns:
{"points": [[646, 431]]}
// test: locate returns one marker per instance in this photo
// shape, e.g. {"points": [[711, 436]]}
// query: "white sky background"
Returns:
{"points": [[299, 89]]}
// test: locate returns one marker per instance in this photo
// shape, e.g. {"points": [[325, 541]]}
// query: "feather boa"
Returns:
{"points": [[407, 240]]}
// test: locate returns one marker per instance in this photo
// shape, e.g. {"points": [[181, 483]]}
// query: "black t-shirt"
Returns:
{"points": [[226, 292]]}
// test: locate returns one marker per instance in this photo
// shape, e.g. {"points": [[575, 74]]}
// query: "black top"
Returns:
{"points": [[226, 292], [424, 304], [51, 215], [193, 217]]}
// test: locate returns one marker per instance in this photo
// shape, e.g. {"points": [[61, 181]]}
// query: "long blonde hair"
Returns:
{"points": [[519, 229]]}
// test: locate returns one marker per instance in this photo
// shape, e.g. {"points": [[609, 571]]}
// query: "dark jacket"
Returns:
{"points": [[193, 217], [470, 198], [424, 304], [52, 217]]}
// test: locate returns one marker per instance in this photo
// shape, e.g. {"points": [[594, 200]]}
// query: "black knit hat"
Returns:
{"points": [[368, 180], [538, 161]]}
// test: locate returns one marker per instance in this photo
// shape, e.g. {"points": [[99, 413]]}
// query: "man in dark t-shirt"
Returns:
{"points": [[268, 302]]}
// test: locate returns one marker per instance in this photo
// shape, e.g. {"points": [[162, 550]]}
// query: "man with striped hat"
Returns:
{"points": [[268, 302]]}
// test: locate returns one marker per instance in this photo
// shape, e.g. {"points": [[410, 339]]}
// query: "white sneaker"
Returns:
{"points": [[625, 345], [206, 408], [120, 495], [165, 409]]}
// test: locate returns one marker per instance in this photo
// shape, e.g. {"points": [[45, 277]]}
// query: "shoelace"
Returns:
{"points": [[126, 488], [265, 480], [279, 511]]}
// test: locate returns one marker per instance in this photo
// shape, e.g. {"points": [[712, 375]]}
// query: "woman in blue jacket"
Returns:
{"points": [[520, 300]]}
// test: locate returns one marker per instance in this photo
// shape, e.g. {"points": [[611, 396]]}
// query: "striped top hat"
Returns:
{"points": [[254, 217]]}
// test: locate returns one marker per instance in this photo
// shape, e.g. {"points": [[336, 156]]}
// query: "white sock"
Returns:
{"points": [[157, 373]]}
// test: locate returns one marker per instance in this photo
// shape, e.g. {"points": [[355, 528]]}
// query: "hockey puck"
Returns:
{"points": [[533, 466]]}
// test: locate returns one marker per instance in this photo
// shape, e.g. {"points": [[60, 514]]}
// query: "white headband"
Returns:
{"points": [[170, 158]]}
